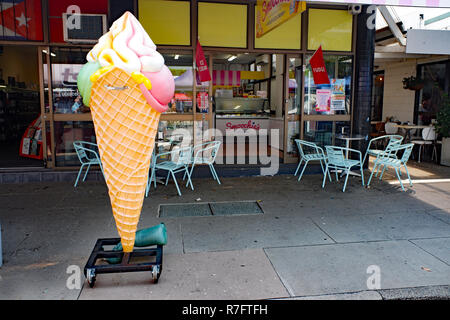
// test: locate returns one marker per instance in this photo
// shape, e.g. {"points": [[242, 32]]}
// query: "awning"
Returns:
{"points": [[408, 3]]}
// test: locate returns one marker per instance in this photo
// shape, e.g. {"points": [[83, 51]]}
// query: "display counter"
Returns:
{"points": [[240, 105]]}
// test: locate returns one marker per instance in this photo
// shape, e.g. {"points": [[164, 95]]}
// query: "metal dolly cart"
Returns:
{"points": [[91, 270]]}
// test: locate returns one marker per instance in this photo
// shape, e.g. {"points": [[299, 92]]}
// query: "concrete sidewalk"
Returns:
{"points": [[310, 243]]}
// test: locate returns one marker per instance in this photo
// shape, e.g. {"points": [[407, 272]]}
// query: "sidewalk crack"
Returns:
{"points": [[182, 239], [415, 244], [322, 230], [288, 289]]}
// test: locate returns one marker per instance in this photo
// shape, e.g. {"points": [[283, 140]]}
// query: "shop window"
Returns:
{"points": [[331, 29], [66, 63], [58, 7], [20, 129], [377, 96], [181, 67], [166, 22], [222, 25], [341, 128], [66, 132], [21, 20], [285, 36], [174, 133], [318, 132], [295, 70], [435, 85], [333, 98]]}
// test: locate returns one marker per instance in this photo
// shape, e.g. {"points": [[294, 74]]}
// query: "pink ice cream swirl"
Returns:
{"points": [[128, 46]]}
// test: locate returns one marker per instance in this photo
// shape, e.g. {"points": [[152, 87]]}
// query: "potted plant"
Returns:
{"points": [[413, 83], [442, 126]]}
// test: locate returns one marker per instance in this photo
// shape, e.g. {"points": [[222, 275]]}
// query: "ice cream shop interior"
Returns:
{"points": [[233, 72]]}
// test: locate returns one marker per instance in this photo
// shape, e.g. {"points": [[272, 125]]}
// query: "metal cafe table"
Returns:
{"points": [[348, 138], [408, 128]]}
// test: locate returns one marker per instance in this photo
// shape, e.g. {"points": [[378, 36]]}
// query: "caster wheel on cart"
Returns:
{"points": [[156, 272], [90, 275]]}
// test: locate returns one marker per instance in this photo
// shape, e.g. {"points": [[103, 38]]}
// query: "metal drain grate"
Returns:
{"points": [[209, 209], [235, 208], [184, 210]]}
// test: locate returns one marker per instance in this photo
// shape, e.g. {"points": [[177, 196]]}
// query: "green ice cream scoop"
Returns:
{"points": [[156, 235], [84, 83]]}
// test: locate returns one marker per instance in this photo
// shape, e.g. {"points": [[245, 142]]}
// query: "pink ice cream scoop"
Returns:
{"points": [[163, 89]]}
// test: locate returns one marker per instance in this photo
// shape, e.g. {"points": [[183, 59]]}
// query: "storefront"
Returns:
{"points": [[259, 84]]}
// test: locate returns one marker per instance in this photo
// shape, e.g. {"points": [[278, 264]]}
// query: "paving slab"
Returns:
{"points": [[256, 231], [440, 248], [45, 280], [387, 226], [24, 201], [32, 188], [342, 268], [439, 200], [443, 214], [245, 274]]}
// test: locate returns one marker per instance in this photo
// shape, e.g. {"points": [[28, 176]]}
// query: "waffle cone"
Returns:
{"points": [[125, 127]]}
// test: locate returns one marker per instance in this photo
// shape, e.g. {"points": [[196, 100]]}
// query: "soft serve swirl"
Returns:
{"points": [[127, 46]]}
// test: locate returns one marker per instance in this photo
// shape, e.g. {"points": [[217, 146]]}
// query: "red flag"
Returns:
{"points": [[21, 20], [318, 68], [202, 64]]}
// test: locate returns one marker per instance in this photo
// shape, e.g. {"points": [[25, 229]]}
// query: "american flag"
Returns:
{"points": [[21, 20]]}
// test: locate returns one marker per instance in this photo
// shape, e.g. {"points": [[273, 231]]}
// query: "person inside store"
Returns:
{"points": [[425, 113], [78, 106]]}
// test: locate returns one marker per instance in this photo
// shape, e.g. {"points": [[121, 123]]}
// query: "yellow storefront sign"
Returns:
{"points": [[272, 13]]}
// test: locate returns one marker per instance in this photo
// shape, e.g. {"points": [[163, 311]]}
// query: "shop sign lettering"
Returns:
{"points": [[272, 13], [247, 125]]}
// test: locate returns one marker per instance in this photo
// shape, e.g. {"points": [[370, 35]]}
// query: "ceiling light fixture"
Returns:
{"points": [[232, 58], [51, 53], [177, 56]]}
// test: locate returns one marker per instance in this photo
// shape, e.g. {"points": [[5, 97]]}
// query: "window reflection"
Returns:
{"points": [[66, 63], [334, 98], [66, 132], [435, 86], [294, 104], [318, 132], [181, 67]]}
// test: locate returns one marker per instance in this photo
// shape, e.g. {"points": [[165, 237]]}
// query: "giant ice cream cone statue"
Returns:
{"points": [[127, 87]]}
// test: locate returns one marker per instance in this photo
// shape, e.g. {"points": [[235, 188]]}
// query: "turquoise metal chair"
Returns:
{"points": [[152, 177], [336, 160], [386, 160], [206, 153], [393, 140], [180, 159], [309, 151], [87, 156]]}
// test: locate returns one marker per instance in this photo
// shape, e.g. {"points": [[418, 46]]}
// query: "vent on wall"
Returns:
{"points": [[83, 28]]}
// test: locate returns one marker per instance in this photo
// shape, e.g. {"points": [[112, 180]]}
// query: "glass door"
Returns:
{"points": [[327, 107], [293, 105], [69, 120], [20, 121]]}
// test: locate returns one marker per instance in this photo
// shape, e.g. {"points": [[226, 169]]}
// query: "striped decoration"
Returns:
{"points": [[415, 3], [226, 78]]}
